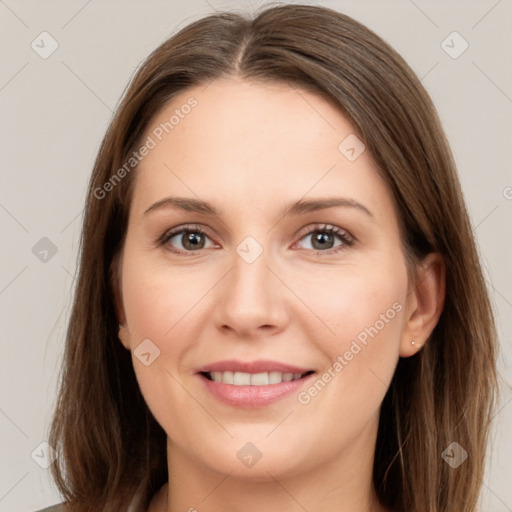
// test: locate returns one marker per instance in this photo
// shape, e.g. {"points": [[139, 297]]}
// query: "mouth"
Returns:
{"points": [[254, 379], [254, 384]]}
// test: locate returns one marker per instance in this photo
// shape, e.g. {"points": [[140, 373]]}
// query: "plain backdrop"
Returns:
{"points": [[55, 109]]}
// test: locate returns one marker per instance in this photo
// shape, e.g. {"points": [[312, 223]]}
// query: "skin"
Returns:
{"points": [[250, 149]]}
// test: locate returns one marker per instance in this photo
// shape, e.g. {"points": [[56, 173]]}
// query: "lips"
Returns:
{"points": [[258, 366], [251, 384]]}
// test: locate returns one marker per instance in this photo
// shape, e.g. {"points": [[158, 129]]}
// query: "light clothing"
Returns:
{"points": [[60, 506]]}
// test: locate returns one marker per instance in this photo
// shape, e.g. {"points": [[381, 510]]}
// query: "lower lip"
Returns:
{"points": [[252, 397]]}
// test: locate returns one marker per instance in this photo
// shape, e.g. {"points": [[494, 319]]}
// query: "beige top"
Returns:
{"points": [[59, 507]]}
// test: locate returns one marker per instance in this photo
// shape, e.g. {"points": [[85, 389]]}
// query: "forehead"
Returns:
{"points": [[247, 143], [276, 116]]}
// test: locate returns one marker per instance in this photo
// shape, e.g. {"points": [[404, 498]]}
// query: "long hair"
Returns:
{"points": [[110, 447]]}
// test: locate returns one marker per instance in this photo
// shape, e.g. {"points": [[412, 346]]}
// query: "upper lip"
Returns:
{"points": [[258, 366]]}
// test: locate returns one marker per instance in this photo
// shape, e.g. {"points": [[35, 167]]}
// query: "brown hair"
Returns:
{"points": [[110, 446]]}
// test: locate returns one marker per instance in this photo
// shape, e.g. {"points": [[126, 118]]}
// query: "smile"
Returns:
{"points": [[252, 384], [254, 379]]}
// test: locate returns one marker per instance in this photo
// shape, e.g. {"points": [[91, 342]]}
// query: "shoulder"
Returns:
{"points": [[54, 508]]}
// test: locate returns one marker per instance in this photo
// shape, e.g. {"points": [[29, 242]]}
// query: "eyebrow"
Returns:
{"points": [[299, 207]]}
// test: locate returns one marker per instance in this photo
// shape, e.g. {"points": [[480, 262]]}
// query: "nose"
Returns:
{"points": [[251, 300]]}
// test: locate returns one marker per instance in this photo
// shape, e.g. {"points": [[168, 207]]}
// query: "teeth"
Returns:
{"points": [[275, 377], [241, 379], [253, 379], [259, 379]]}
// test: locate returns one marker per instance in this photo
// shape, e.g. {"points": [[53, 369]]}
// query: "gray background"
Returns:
{"points": [[54, 112]]}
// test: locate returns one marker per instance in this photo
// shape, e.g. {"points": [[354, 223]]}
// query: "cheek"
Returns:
{"points": [[350, 300], [363, 307], [366, 312], [158, 300], [159, 304]]}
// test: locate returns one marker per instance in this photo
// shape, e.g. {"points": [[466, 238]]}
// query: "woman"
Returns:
{"points": [[279, 304]]}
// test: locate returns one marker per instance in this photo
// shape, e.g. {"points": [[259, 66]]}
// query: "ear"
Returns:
{"points": [[116, 286], [124, 337], [425, 302]]}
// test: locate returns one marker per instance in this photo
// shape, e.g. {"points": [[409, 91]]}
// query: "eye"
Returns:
{"points": [[186, 238], [323, 237]]}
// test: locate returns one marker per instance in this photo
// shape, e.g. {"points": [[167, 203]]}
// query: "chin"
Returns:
{"points": [[258, 461]]}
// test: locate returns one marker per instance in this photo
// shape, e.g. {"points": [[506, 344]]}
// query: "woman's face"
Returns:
{"points": [[291, 263]]}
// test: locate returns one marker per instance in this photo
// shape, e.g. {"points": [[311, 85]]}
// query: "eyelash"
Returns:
{"points": [[347, 240]]}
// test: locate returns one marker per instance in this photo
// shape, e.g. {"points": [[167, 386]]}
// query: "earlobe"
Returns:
{"points": [[425, 305], [115, 282], [124, 336]]}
